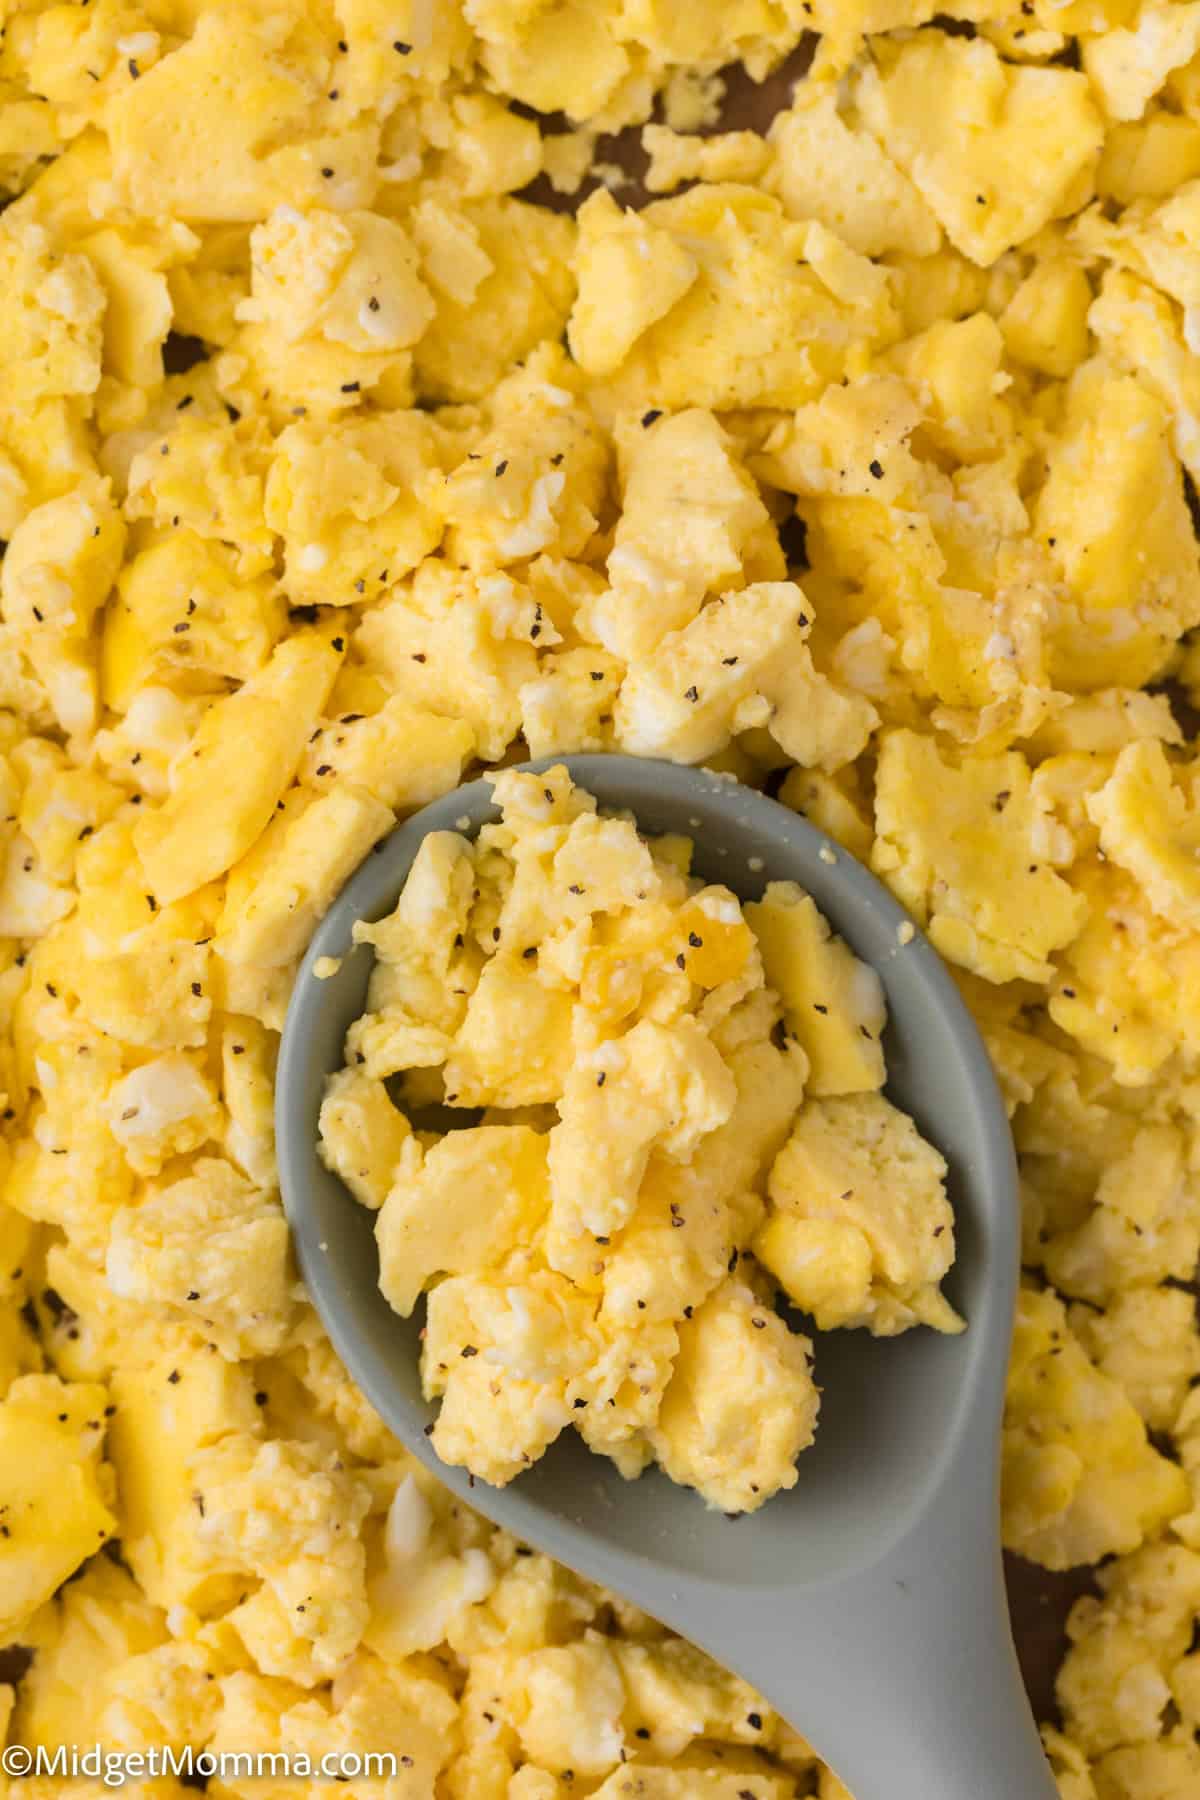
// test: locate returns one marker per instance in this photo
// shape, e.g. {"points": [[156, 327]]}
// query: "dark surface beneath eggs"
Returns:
{"points": [[747, 106]]}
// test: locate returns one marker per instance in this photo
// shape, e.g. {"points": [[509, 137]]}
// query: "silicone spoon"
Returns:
{"points": [[867, 1604]]}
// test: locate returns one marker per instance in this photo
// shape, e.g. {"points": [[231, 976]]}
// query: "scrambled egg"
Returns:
{"points": [[562, 972], [859, 462]]}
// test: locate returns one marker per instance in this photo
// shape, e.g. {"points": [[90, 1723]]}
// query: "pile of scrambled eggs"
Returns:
{"points": [[857, 463], [640, 1050]]}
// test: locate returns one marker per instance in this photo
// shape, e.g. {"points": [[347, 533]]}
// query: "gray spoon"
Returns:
{"points": [[867, 1604]]}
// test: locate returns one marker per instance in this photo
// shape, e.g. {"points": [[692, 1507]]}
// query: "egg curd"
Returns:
{"points": [[641, 1050], [856, 459]]}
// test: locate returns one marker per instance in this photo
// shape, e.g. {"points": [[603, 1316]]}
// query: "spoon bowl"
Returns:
{"points": [[866, 1603]]}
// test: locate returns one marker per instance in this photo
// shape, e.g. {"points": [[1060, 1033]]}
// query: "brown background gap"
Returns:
{"points": [[1039, 1600]]}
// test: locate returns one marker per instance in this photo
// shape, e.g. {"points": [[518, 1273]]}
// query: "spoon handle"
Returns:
{"points": [[941, 1714], [906, 1681]]}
